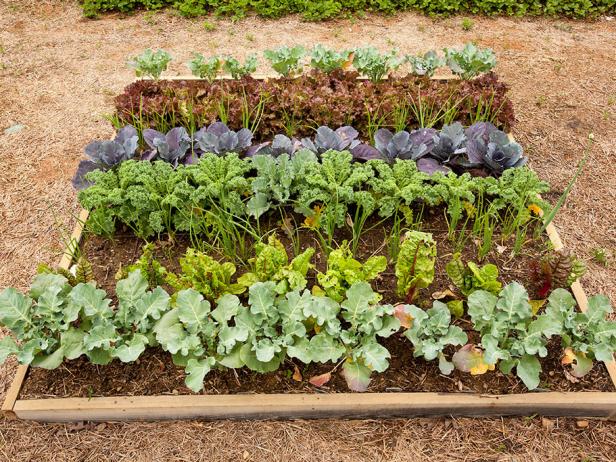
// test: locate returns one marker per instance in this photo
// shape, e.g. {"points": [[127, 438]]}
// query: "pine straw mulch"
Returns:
{"points": [[58, 75]]}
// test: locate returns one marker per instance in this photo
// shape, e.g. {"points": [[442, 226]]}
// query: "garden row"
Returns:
{"points": [[328, 95], [317, 10]]}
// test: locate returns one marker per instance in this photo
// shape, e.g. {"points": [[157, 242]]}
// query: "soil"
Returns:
{"points": [[154, 373]]}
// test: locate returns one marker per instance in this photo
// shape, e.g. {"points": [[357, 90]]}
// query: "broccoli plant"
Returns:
{"points": [[374, 65], [343, 271], [150, 64], [271, 263], [585, 336], [203, 68], [327, 60], [470, 61], [510, 336], [103, 155], [430, 332], [237, 70], [415, 264], [472, 277], [426, 64], [284, 60]]}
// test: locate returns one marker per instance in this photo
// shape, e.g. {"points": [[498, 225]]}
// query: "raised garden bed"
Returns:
{"points": [[154, 388]]}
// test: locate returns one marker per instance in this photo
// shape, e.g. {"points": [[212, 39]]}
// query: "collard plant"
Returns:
{"points": [[150, 64], [415, 264], [471, 61], [286, 61]]}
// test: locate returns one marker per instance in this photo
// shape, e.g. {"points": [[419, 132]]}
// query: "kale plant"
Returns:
{"points": [[150, 63], [103, 155]]}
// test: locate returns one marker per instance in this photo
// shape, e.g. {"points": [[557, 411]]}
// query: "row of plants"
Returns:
{"points": [[329, 95], [467, 63], [207, 322], [318, 10], [227, 198], [480, 148]]}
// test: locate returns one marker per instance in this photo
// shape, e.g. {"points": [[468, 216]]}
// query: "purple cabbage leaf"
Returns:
{"points": [[171, 147], [219, 139]]}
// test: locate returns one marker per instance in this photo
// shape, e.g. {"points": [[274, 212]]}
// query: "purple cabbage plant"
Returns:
{"points": [[491, 149], [281, 144], [219, 139], [171, 147], [103, 155]]}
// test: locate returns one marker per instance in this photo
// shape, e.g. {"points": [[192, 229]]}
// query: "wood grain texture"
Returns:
{"points": [[315, 406]]}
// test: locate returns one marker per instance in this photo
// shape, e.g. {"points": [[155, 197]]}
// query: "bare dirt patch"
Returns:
{"points": [[58, 74]]}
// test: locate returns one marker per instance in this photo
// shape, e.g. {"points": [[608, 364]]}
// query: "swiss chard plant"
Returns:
{"points": [[470, 61], [415, 264], [271, 263], [150, 63], [343, 271], [103, 155], [206, 275], [284, 60], [471, 277], [510, 335], [430, 331]]}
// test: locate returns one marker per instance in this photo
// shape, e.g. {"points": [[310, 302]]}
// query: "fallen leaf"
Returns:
{"points": [[547, 423], [441, 294], [320, 380], [297, 375], [501, 249], [535, 305], [581, 424], [405, 318]]}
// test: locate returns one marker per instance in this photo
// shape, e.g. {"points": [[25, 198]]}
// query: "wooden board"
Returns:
{"points": [[315, 406], [304, 405]]}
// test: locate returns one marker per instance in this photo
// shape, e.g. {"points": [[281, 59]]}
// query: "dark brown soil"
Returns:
{"points": [[154, 373]]}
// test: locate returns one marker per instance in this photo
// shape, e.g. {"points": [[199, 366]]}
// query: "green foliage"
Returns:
{"points": [[328, 60], [374, 65], [80, 272], [272, 264], [590, 335], [509, 333], [205, 68], [426, 64], [470, 61], [415, 264], [150, 268], [471, 277], [284, 60], [343, 271], [206, 275], [237, 70], [319, 10], [150, 64], [431, 331]]}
